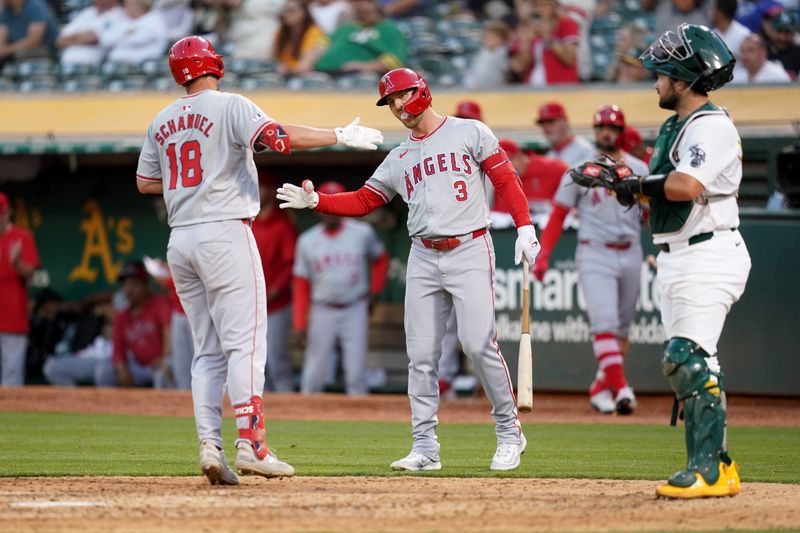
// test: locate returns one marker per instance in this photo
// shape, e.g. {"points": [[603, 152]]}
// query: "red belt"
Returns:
{"points": [[448, 243], [613, 245]]}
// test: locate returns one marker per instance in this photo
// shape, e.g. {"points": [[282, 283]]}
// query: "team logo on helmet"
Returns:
{"points": [[387, 83]]}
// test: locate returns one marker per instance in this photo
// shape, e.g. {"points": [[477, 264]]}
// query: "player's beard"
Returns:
{"points": [[605, 147], [669, 100]]}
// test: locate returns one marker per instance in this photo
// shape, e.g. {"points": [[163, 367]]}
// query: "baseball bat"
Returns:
{"points": [[525, 359]]}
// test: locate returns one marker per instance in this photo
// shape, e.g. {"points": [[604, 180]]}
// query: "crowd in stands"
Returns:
{"points": [[319, 43]]}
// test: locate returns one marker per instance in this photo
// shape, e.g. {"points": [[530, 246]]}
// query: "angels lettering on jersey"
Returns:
{"points": [[450, 163]]}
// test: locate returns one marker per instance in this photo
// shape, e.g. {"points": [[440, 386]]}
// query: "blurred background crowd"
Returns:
{"points": [[79, 45]]}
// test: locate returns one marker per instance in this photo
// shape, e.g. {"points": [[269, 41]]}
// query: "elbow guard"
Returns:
{"points": [[274, 137]]}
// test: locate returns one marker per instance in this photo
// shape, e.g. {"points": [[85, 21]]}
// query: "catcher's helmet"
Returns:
{"points": [[694, 54], [609, 115], [401, 79], [192, 57]]}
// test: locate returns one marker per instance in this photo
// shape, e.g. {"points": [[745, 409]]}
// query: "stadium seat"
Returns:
{"points": [[82, 84], [126, 84], [269, 80], [312, 80], [36, 85], [360, 80]]}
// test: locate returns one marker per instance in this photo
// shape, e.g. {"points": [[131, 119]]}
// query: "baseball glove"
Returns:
{"points": [[603, 172]]}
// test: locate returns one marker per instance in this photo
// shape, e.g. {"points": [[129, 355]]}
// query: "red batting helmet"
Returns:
{"points": [[609, 115], [330, 187], [401, 79], [469, 109], [192, 57]]}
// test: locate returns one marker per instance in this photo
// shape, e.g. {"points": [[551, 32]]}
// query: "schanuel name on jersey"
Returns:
{"points": [[189, 121]]}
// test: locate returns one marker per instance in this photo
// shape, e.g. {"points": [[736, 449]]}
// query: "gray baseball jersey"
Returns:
{"points": [[440, 178], [204, 141], [337, 265], [576, 152], [602, 218]]}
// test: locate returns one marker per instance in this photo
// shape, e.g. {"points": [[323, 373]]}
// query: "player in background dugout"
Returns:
{"points": [[339, 269], [609, 261], [564, 145], [19, 259]]}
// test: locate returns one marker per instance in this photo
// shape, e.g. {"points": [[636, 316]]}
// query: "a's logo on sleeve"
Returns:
{"points": [[698, 156]]}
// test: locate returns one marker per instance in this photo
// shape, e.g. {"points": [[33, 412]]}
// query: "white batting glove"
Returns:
{"points": [[357, 136], [295, 197], [527, 244]]}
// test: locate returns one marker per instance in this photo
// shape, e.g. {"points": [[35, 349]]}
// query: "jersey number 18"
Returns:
{"points": [[190, 169]]}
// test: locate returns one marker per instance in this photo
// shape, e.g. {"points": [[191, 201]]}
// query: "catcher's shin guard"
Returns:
{"points": [[701, 390], [254, 431]]}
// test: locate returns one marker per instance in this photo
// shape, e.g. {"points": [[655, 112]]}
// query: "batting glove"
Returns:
{"points": [[527, 244], [295, 197], [357, 136]]}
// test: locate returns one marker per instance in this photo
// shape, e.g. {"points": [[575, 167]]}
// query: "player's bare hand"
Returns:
{"points": [[527, 244], [294, 197], [357, 136]]}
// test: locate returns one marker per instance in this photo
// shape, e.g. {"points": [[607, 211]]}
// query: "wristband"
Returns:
{"points": [[653, 186]]}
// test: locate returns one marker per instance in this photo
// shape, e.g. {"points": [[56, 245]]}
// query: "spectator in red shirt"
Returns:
{"points": [[545, 50], [540, 177], [141, 332], [19, 259], [275, 238]]}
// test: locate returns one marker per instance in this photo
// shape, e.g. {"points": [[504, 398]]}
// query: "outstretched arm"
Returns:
{"points": [[284, 139], [350, 204]]}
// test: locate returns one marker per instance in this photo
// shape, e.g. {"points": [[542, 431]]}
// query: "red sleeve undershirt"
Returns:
{"points": [[508, 186], [350, 204], [552, 232], [302, 299], [378, 271]]}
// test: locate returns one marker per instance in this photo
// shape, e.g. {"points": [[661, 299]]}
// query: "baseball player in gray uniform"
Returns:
{"points": [[564, 145], [609, 257], [439, 171], [198, 153], [332, 268]]}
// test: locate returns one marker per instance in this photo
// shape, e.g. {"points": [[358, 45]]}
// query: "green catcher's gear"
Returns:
{"points": [[704, 410], [694, 54]]}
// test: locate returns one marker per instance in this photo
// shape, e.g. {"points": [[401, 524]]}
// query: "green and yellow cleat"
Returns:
{"points": [[727, 484]]}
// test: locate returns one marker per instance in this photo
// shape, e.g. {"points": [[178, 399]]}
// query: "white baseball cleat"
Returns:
{"points": [[269, 466], [215, 466], [625, 401], [603, 402], [507, 455], [416, 462]]}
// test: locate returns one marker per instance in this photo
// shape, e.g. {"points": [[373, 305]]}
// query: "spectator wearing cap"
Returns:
{"points": [[564, 145], [540, 177], [141, 332], [753, 13], [371, 43], [86, 38], [781, 33], [340, 267], [489, 68], [143, 37], [27, 29], [19, 259], [545, 51], [731, 30], [276, 237], [753, 66]]}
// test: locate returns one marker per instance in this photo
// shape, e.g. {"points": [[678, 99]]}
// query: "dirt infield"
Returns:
{"points": [[361, 504]]}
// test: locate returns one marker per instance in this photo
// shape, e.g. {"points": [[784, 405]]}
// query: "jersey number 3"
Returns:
{"points": [[190, 169], [461, 190]]}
